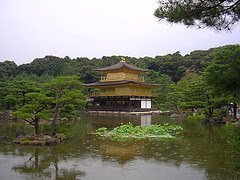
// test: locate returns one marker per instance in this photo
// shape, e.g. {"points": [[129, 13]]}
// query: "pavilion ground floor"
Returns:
{"points": [[120, 103]]}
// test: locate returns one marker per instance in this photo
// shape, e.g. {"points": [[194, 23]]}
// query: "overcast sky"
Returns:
{"points": [[94, 28]]}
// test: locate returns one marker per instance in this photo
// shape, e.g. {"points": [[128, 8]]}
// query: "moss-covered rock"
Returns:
{"points": [[31, 139]]}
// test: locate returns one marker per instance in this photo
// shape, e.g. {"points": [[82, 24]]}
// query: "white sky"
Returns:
{"points": [[94, 28]]}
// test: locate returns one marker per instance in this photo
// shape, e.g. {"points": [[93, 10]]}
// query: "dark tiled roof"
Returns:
{"points": [[121, 65], [120, 83]]}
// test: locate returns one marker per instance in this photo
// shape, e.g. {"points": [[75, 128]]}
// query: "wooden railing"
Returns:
{"points": [[138, 79], [98, 94]]}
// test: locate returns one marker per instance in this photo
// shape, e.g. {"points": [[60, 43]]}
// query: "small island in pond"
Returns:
{"points": [[128, 131]]}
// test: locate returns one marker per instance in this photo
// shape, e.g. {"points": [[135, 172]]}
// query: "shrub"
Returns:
{"points": [[196, 118], [129, 131]]}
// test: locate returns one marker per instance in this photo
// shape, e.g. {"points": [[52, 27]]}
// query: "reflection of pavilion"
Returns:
{"points": [[146, 120], [121, 151]]}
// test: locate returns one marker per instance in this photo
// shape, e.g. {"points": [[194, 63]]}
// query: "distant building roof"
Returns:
{"points": [[120, 83], [122, 65]]}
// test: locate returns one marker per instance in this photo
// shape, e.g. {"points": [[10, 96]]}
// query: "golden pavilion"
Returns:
{"points": [[122, 89]]}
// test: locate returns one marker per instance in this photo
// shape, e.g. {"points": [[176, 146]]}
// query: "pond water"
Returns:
{"points": [[199, 153]]}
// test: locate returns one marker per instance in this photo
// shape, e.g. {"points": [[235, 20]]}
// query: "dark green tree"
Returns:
{"points": [[65, 90], [7, 69], [224, 73], [216, 14], [198, 95], [60, 96], [16, 93], [3, 93], [38, 107], [156, 78], [173, 65], [88, 74], [176, 95]]}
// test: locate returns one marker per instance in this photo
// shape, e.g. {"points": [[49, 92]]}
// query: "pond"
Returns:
{"points": [[199, 153]]}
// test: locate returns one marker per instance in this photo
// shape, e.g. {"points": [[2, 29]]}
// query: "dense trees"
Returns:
{"points": [[61, 95], [38, 107], [216, 87], [64, 91], [224, 73], [206, 79], [7, 69], [216, 14], [13, 94], [44, 69]]}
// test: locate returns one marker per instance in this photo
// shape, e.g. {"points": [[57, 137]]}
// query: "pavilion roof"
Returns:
{"points": [[122, 65], [111, 83]]}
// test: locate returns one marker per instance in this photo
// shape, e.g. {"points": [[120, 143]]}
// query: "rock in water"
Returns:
{"points": [[18, 133], [31, 139], [4, 138], [205, 121]]}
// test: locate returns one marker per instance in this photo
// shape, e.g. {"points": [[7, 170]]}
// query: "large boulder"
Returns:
{"points": [[214, 120], [178, 115], [51, 140], [205, 120], [18, 133], [217, 120]]}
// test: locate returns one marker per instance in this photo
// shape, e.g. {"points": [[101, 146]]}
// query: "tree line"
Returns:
{"points": [[173, 65], [206, 80]]}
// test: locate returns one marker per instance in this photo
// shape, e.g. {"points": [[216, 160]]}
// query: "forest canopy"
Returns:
{"points": [[189, 81], [43, 69]]}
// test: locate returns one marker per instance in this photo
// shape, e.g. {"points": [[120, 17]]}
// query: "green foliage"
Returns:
{"points": [[180, 92], [128, 131], [224, 73], [46, 68], [194, 92], [195, 118], [13, 94], [223, 112], [60, 96], [65, 91], [44, 78], [198, 95], [63, 127], [7, 69], [173, 65], [38, 107], [165, 80], [68, 111], [49, 64], [216, 14], [183, 86]]}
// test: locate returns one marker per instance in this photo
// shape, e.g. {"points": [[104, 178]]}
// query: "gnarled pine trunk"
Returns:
{"points": [[54, 120]]}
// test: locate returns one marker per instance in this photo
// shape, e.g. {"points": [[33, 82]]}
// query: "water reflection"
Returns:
{"points": [[44, 166], [146, 120], [198, 154], [121, 151], [111, 121]]}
